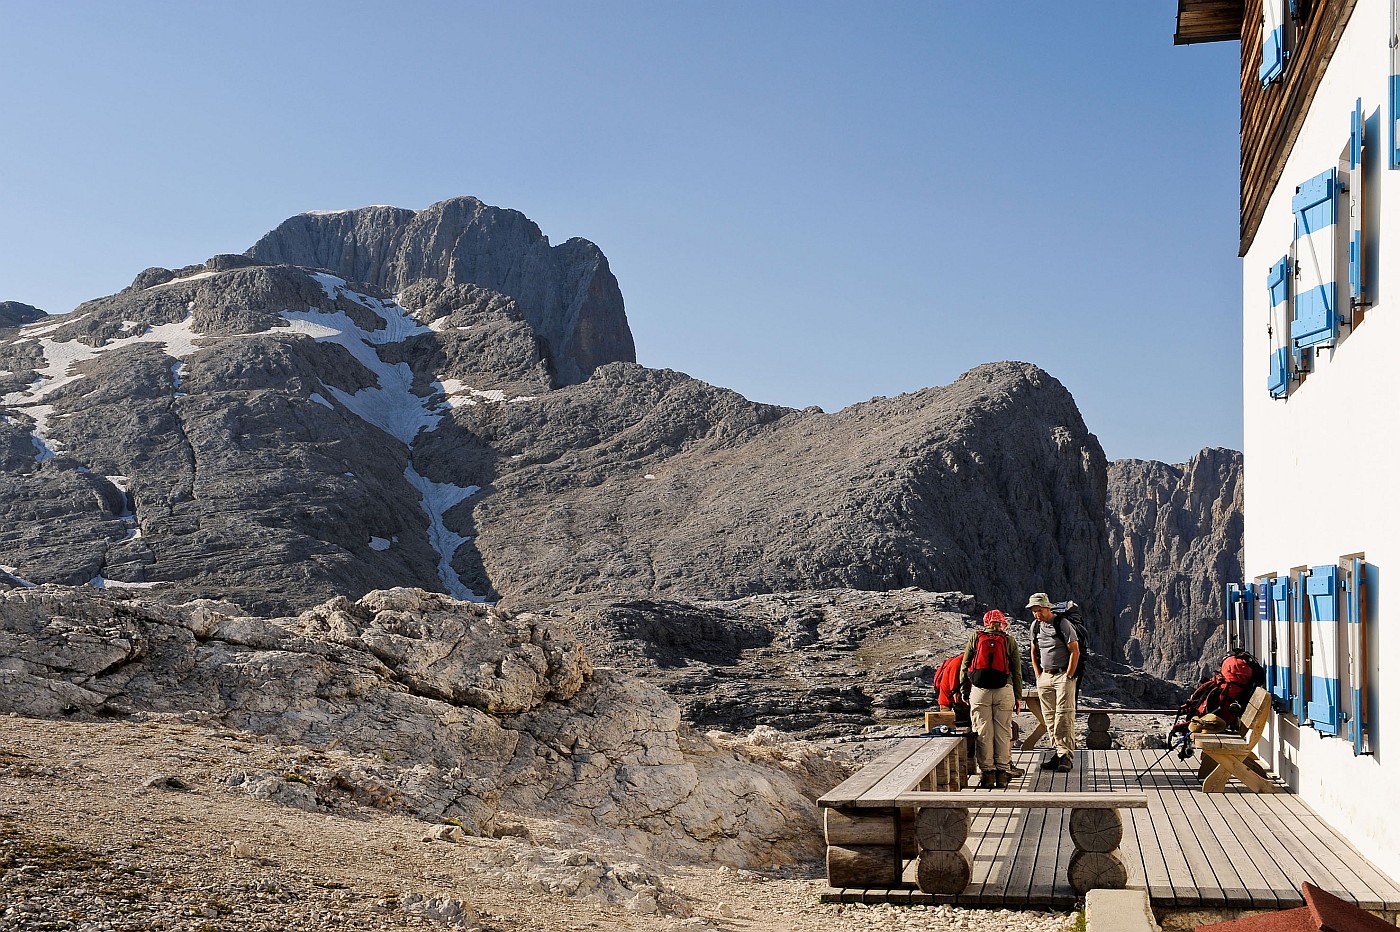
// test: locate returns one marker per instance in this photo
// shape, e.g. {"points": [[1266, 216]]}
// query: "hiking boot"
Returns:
{"points": [[1003, 779], [991, 779], [1011, 770], [1065, 765], [1051, 763]]}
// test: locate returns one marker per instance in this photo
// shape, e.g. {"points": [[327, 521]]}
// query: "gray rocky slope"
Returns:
{"points": [[1177, 537], [277, 435], [412, 702]]}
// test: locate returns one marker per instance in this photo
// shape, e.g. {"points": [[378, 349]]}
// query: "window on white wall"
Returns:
{"points": [[1316, 209], [1355, 184], [1356, 697]]}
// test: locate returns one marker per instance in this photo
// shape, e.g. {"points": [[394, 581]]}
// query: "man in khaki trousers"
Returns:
{"points": [[1055, 660]]}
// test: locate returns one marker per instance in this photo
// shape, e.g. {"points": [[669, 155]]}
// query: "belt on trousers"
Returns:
{"points": [[1053, 671]]}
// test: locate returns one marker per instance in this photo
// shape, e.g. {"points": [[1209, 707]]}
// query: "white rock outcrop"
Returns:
{"points": [[479, 716]]}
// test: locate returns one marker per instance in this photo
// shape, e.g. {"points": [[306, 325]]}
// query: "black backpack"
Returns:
{"points": [[1069, 611]]}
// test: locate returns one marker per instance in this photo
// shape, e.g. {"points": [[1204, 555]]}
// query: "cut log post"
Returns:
{"points": [[1095, 829], [908, 840], [945, 872], [1098, 741], [942, 829], [860, 827], [1094, 870], [863, 866], [1097, 738]]}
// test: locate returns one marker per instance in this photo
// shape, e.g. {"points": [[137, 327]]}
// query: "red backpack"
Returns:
{"points": [[948, 681], [991, 661], [1225, 694]]}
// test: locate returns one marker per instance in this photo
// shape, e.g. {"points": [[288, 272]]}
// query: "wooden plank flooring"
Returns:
{"points": [[1187, 848]]}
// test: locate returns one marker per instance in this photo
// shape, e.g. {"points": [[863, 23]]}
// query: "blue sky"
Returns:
{"points": [[811, 203]]}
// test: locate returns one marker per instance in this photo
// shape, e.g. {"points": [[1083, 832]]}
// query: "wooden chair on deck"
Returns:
{"points": [[1227, 755]]}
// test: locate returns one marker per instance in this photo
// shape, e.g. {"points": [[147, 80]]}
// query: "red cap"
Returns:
{"points": [[994, 617]]}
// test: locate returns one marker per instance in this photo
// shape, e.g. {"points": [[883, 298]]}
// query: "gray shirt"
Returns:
{"points": [[1054, 655]]}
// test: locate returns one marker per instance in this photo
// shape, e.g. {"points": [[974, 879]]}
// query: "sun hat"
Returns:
{"points": [[1040, 600]]}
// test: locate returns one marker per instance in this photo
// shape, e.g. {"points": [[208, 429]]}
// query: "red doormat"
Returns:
{"points": [[1324, 913]]}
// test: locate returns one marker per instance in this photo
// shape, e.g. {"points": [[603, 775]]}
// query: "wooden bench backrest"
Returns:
{"points": [[1256, 715]]}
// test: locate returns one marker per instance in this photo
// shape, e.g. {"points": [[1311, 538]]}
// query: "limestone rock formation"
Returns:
{"points": [[567, 293], [14, 314], [814, 663], [476, 712], [246, 433], [278, 436], [1177, 536], [648, 482]]}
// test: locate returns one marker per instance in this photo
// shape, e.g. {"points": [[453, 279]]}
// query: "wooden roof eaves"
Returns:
{"points": [[1208, 21], [1298, 100]]}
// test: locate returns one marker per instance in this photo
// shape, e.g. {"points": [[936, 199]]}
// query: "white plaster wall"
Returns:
{"points": [[1322, 469]]}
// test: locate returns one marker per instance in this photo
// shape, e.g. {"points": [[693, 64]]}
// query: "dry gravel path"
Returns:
{"points": [[134, 826]]}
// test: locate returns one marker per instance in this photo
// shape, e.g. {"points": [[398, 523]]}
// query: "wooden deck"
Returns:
{"points": [[1188, 849]]}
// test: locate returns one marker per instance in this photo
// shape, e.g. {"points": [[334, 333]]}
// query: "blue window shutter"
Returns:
{"points": [[1394, 109], [1302, 638], [1314, 235], [1355, 281], [1273, 49], [1394, 118], [1359, 723], [1278, 358], [1322, 598], [1278, 373], [1281, 672], [1278, 282]]}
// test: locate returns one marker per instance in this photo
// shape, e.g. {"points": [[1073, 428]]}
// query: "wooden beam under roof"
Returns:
{"points": [[1208, 21]]}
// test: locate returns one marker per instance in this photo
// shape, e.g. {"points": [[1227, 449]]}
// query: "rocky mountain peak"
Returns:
{"points": [[567, 293], [14, 314]]}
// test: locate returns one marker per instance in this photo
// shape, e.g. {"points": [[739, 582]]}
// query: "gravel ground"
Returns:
{"points": [[134, 826]]}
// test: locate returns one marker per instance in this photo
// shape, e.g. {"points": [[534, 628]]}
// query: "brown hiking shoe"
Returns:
{"points": [[1065, 765]]}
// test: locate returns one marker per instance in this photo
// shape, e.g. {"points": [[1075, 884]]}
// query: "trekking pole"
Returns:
{"points": [[1180, 747], [1142, 773]]}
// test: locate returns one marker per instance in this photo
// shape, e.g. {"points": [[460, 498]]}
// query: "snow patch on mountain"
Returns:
{"points": [[438, 499], [61, 356]]}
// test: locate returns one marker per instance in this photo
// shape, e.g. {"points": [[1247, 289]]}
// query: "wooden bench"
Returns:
{"points": [[867, 834], [1228, 755], [944, 821], [911, 802]]}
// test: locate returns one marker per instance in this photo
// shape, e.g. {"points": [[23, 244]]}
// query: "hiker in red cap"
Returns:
{"points": [[992, 664]]}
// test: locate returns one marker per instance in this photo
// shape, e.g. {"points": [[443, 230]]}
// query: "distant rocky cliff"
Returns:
{"points": [[566, 293], [277, 435], [1177, 538], [650, 482]]}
